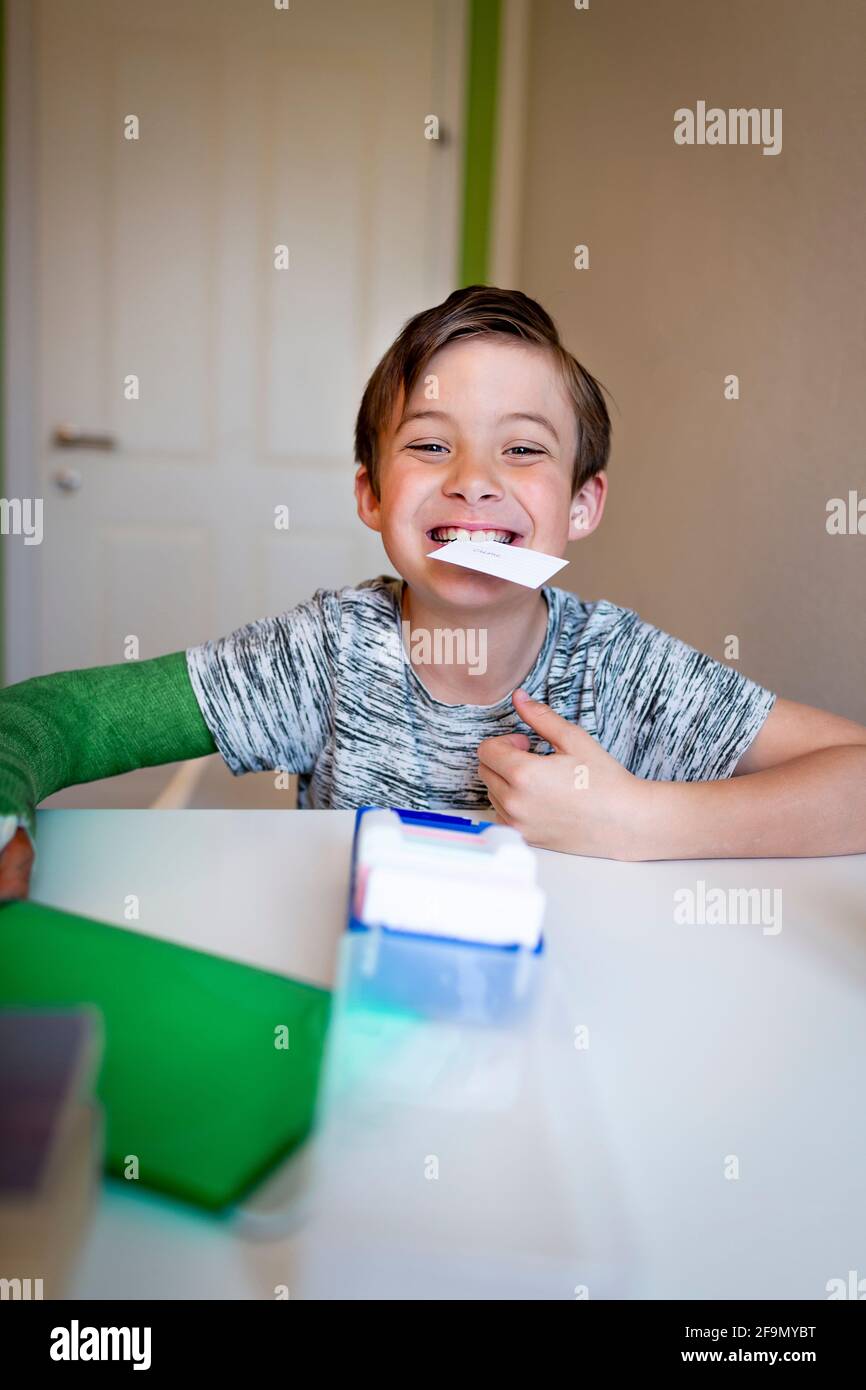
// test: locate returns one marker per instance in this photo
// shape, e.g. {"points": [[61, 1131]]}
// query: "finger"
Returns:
{"points": [[494, 783], [501, 813], [517, 741], [501, 755], [562, 735], [16, 862]]}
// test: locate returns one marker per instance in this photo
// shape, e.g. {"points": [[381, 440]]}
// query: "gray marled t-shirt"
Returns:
{"points": [[327, 690]]}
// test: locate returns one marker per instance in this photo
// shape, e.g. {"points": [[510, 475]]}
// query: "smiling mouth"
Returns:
{"points": [[441, 535]]}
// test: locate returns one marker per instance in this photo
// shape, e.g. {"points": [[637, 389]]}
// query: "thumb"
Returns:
{"points": [[562, 736], [516, 741]]}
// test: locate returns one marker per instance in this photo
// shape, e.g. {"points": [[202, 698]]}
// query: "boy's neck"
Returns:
{"points": [[472, 659]]}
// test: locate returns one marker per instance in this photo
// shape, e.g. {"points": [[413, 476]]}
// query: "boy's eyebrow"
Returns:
{"points": [[514, 415], [537, 419], [423, 415]]}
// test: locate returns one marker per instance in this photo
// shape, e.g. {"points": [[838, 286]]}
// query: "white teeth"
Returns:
{"points": [[459, 533]]}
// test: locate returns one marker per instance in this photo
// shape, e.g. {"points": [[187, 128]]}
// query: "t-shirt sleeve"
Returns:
{"points": [[670, 713], [266, 691]]}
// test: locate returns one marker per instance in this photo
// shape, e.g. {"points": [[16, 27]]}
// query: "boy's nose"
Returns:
{"points": [[472, 480]]}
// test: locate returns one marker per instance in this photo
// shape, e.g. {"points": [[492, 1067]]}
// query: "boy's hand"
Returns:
{"points": [[579, 800], [16, 862]]}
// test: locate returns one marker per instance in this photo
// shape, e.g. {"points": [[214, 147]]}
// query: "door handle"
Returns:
{"points": [[67, 479], [68, 437]]}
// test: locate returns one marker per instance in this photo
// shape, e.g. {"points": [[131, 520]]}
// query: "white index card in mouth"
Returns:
{"points": [[529, 567]]}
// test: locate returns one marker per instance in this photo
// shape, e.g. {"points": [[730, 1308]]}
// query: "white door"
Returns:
{"points": [[257, 127]]}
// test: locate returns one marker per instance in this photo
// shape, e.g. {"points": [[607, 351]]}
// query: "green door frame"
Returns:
{"points": [[482, 77]]}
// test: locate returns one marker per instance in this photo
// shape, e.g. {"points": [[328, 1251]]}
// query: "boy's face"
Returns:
{"points": [[486, 441]]}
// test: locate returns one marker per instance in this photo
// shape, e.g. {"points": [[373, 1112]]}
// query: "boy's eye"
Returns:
{"points": [[520, 451]]}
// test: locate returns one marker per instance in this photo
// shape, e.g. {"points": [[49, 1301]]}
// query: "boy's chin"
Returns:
{"points": [[462, 587]]}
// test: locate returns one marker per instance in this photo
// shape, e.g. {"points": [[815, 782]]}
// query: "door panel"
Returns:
{"points": [[155, 259]]}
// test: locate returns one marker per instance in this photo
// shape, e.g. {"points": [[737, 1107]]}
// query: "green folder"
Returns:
{"points": [[210, 1067]]}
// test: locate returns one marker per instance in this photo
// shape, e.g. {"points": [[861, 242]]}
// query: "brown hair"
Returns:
{"points": [[475, 310]]}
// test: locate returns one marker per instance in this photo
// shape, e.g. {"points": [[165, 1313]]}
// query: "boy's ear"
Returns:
{"points": [[587, 508], [369, 509]]}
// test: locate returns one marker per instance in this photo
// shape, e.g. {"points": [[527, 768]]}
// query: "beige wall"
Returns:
{"points": [[703, 262]]}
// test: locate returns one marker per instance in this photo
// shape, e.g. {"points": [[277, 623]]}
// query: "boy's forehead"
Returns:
{"points": [[503, 376]]}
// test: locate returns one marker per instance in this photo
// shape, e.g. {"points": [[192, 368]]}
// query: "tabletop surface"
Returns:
{"points": [[681, 1116]]}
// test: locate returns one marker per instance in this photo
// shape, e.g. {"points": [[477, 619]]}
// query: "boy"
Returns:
{"points": [[586, 728]]}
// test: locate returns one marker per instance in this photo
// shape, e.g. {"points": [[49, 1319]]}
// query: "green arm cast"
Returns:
{"points": [[78, 726]]}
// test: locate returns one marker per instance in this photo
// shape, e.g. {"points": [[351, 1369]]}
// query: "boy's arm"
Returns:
{"points": [[791, 730], [77, 726], [800, 789]]}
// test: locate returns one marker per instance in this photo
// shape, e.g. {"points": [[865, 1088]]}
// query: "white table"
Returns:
{"points": [[707, 1044]]}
